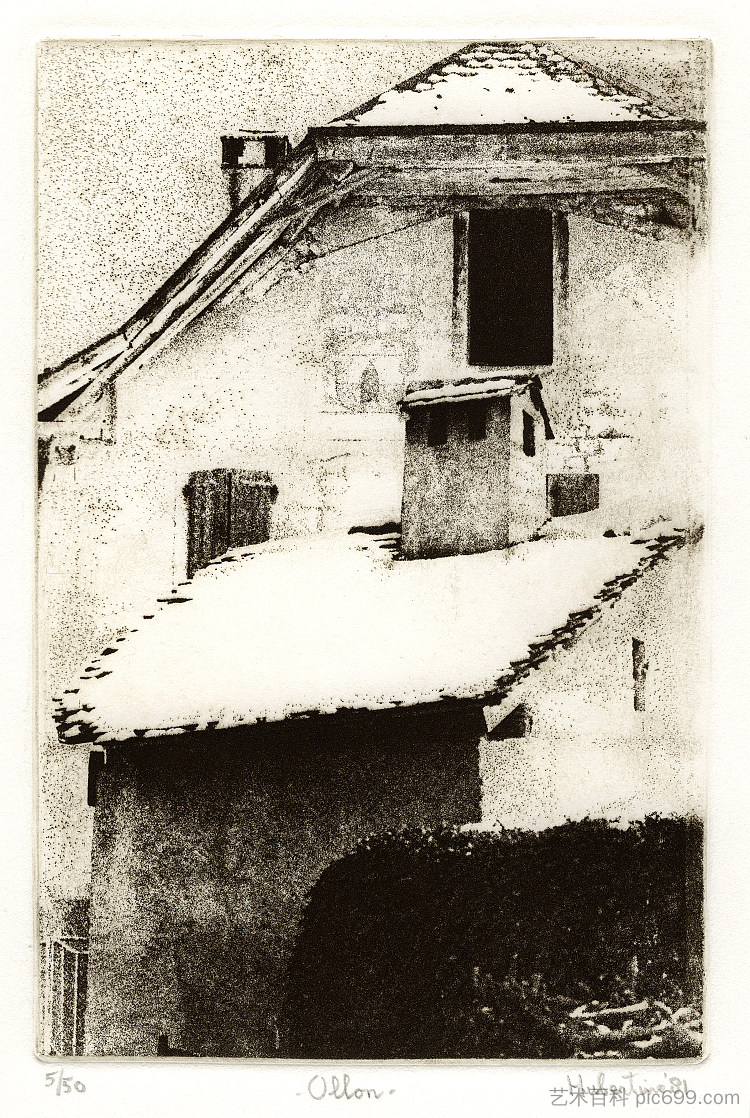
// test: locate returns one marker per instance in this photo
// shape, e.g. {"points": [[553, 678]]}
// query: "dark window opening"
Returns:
{"points": [[437, 426], [510, 287], [476, 420], [232, 150], [277, 149], [226, 509], [529, 436], [369, 386], [640, 670], [569, 494]]}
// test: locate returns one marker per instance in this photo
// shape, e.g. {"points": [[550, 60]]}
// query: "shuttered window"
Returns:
{"points": [[226, 509]]}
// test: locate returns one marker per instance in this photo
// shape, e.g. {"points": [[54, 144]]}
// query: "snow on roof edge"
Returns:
{"points": [[77, 724], [589, 94]]}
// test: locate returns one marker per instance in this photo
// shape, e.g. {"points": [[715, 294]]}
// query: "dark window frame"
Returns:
{"points": [[529, 434]]}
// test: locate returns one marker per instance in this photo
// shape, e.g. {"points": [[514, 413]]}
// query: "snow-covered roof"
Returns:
{"points": [[325, 624], [448, 390], [505, 83]]}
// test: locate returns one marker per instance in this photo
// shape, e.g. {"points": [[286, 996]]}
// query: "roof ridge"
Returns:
{"points": [[511, 45]]}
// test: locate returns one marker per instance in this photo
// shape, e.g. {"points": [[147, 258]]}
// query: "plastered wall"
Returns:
{"points": [[276, 385], [589, 752], [204, 853]]}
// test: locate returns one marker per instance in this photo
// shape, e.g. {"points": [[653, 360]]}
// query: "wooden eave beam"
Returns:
{"points": [[243, 253], [417, 185], [476, 145]]}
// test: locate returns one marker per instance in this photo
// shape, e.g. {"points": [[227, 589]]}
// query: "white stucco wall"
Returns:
{"points": [[589, 752], [273, 385], [628, 394]]}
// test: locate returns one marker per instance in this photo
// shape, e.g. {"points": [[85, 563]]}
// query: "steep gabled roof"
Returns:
{"points": [[505, 83], [494, 86], [462, 629], [244, 252]]}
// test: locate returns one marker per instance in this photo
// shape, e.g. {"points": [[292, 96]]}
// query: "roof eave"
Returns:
{"points": [[531, 126], [599, 144]]}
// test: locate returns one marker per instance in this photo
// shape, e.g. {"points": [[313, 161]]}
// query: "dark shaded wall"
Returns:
{"points": [[206, 845]]}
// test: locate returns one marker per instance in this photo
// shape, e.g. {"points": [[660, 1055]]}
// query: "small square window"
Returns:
{"points": [[437, 426], [529, 436], [571, 494]]}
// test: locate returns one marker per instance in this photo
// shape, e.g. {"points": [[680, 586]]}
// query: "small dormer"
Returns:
{"points": [[474, 469]]}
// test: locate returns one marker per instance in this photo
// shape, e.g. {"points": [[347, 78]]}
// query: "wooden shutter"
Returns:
{"points": [[252, 494], [226, 509], [207, 493]]}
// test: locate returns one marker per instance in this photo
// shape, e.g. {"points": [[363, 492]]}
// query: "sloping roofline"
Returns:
{"points": [[515, 635], [410, 83], [263, 232]]}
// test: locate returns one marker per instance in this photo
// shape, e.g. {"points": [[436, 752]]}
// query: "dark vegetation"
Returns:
{"points": [[583, 940]]}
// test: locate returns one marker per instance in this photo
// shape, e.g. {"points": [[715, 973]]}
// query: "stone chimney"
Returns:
{"points": [[247, 156]]}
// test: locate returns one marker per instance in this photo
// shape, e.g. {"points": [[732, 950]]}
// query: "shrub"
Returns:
{"points": [[445, 943]]}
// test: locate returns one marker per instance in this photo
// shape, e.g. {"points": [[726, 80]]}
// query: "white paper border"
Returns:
{"points": [[185, 1089]]}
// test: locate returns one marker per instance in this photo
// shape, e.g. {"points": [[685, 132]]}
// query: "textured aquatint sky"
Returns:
{"points": [[129, 154]]}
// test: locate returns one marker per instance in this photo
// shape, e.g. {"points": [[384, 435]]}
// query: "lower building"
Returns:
{"points": [[297, 696]]}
